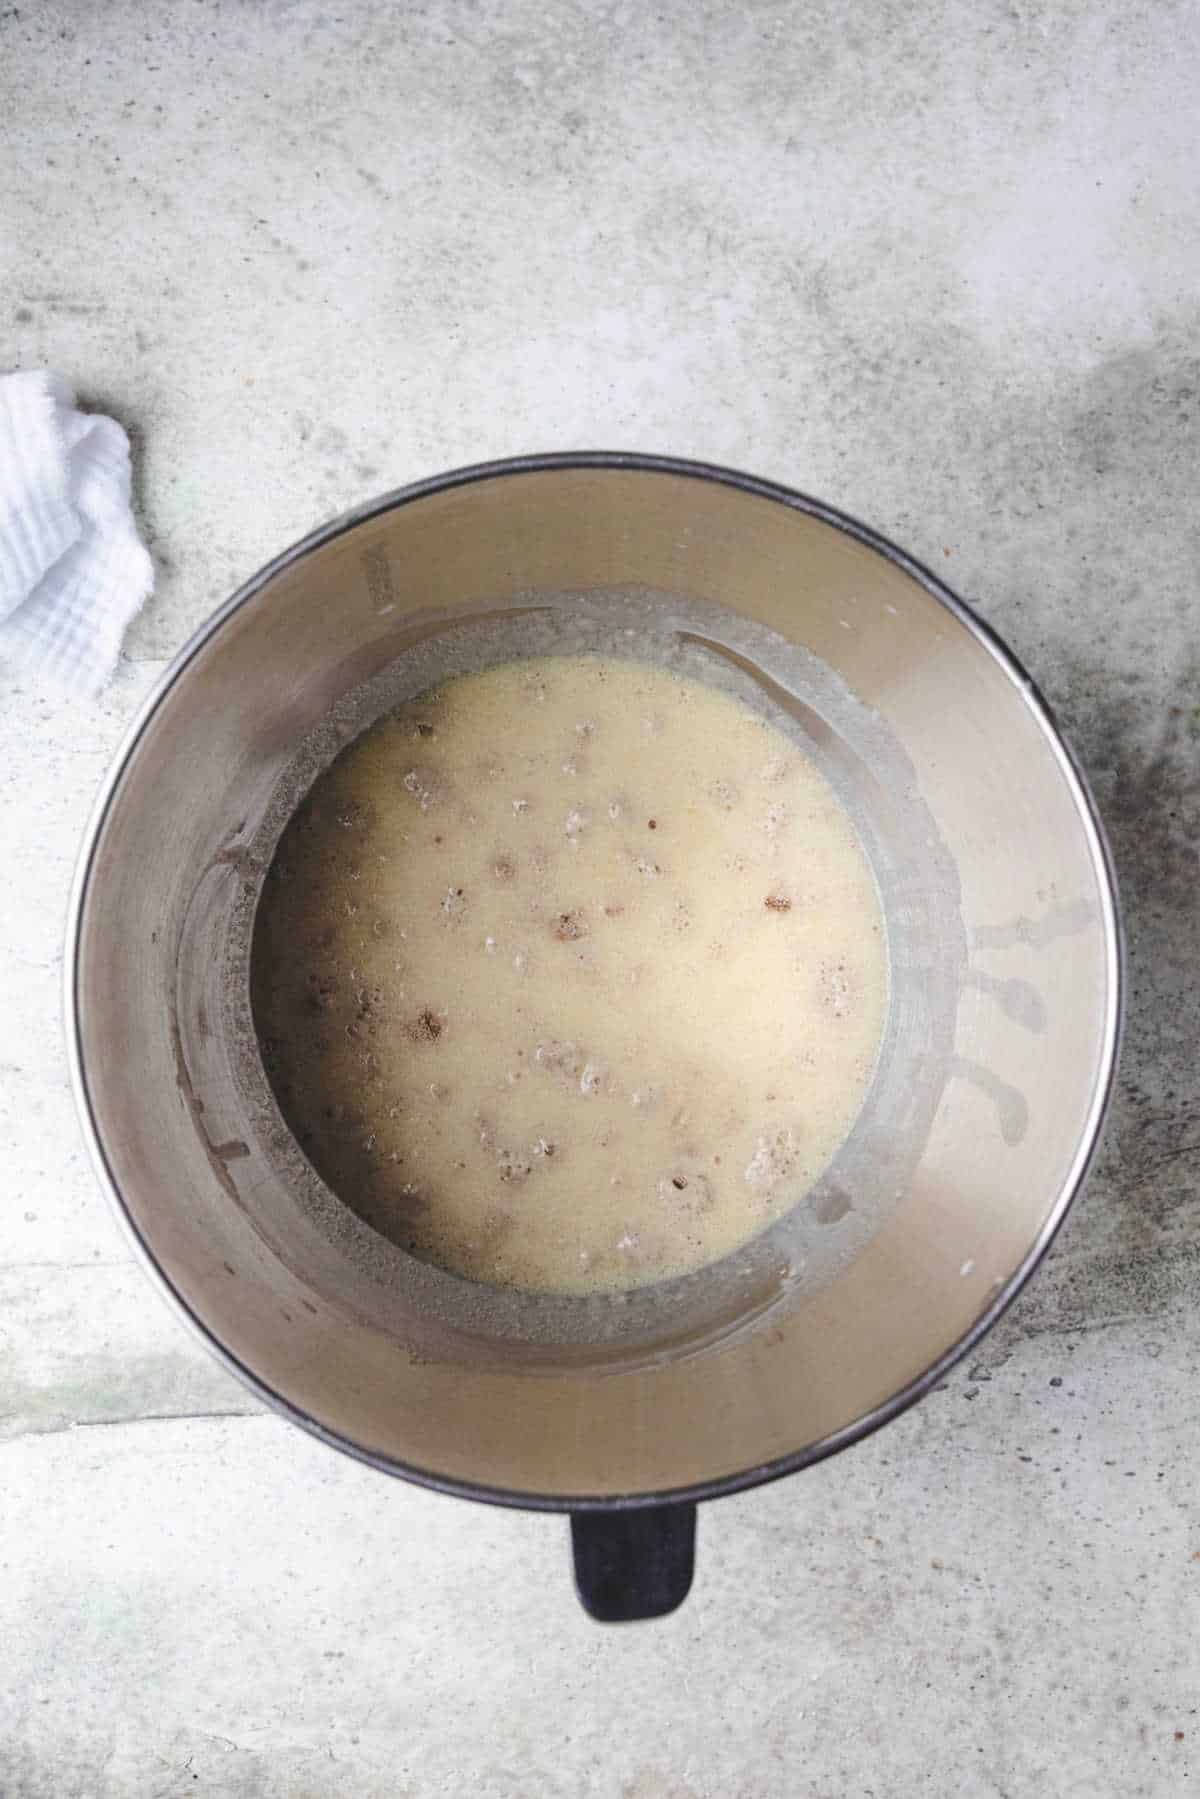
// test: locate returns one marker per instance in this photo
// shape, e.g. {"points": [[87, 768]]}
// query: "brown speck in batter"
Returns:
{"points": [[426, 1027]]}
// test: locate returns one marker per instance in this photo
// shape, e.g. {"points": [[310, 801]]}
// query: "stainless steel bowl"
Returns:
{"points": [[1007, 960]]}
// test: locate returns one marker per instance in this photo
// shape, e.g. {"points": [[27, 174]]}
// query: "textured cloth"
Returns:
{"points": [[73, 570]]}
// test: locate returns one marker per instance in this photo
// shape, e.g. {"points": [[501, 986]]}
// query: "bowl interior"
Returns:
{"points": [[991, 1083]]}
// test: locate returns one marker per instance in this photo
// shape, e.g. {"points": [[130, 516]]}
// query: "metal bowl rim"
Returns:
{"points": [[1072, 773]]}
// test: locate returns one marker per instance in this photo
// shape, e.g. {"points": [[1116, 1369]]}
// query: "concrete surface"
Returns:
{"points": [[937, 263]]}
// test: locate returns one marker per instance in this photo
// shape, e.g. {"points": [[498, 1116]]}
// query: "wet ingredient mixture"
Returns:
{"points": [[570, 975]]}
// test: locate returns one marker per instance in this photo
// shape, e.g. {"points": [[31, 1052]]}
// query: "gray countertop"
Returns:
{"points": [[939, 265]]}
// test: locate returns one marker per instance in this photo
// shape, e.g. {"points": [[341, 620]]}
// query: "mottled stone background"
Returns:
{"points": [[936, 263]]}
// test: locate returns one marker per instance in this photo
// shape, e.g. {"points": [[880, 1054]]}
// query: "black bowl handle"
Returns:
{"points": [[635, 1562]]}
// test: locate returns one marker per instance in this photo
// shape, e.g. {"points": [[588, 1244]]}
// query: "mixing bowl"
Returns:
{"points": [[996, 1065]]}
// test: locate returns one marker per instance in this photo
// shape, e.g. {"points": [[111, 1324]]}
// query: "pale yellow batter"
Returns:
{"points": [[570, 975]]}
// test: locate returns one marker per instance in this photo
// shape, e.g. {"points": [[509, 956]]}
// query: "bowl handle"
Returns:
{"points": [[634, 1562]]}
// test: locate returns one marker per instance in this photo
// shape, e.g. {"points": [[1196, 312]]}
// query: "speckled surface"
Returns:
{"points": [[938, 264]]}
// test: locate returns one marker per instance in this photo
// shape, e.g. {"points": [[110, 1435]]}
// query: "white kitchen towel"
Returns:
{"points": [[73, 570]]}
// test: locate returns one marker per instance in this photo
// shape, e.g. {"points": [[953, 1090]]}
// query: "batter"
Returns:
{"points": [[570, 975]]}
